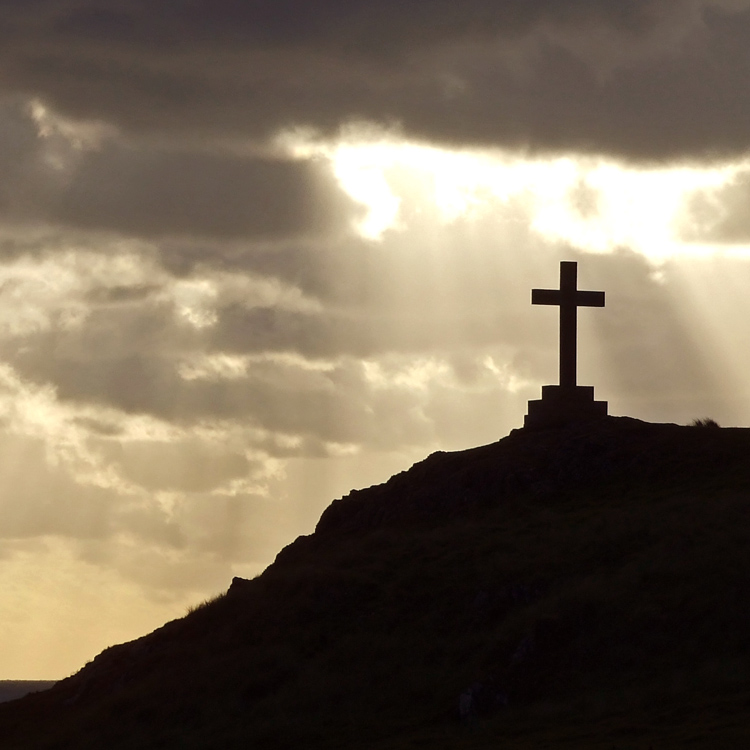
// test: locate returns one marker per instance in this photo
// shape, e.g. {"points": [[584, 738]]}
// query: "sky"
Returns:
{"points": [[257, 253]]}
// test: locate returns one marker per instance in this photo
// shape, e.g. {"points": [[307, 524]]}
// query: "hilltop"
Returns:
{"points": [[583, 587]]}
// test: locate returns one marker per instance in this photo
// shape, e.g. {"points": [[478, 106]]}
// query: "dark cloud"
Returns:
{"points": [[18, 147], [160, 193], [355, 26], [646, 79], [156, 192], [720, 215], [120, 295]]}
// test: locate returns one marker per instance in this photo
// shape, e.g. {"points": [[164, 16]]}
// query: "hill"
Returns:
{"points": [[584, 587]]}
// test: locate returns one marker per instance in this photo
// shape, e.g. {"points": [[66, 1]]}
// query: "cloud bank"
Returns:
{"points": [[644, 79]]}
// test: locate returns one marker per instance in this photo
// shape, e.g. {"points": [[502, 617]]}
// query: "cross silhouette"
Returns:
{"points": [[569, 299]]}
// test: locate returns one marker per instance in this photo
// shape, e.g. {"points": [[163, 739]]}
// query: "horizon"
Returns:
{"points": [[252, 262]]}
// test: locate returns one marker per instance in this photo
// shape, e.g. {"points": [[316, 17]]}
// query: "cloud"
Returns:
{"points": [[157, 193], [646, 80], [50, 175], [719, 215], [361, 345], [276, 340], [177, 465]]}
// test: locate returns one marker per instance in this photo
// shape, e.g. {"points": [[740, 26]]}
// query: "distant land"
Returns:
{"points": [[583, 587], [12, 689]]}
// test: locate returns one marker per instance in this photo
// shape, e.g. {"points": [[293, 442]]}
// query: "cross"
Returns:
{"points": [[569, 299]]}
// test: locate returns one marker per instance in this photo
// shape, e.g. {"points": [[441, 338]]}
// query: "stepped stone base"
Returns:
{"points": [[562, 405]]}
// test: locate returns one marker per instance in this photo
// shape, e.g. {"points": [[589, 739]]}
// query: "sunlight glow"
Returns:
{"points": [[59, 610], [594, 204], [194, 302], [366, 183]]}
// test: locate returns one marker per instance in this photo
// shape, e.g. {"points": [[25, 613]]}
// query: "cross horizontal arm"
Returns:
{"points": [[588, 299], [545, 297]]}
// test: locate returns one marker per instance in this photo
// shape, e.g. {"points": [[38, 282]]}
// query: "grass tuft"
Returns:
{"points": [[705, 422]]}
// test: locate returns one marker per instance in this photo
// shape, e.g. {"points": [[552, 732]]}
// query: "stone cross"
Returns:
{"points": [[569, 299]]}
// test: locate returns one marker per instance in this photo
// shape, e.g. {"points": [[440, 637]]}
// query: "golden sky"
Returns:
{"points": [[255, 255]]}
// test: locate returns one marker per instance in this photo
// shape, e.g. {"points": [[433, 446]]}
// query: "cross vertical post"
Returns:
{"points": [[568, 323]]}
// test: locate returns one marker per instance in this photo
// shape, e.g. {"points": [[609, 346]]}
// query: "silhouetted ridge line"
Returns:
{"points": [[580, 587], [538, 465]]}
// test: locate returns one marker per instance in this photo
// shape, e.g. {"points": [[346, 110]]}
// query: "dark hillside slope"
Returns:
{"points": [[586, 588]]}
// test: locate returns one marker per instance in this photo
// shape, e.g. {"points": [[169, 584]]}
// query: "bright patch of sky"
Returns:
{"points": [[594, 204]]}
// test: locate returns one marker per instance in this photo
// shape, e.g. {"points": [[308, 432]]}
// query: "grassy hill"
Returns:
{"points": [[584, 588]]}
